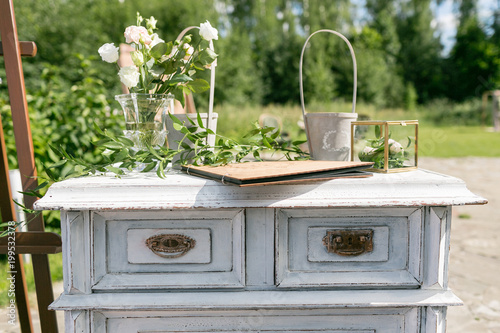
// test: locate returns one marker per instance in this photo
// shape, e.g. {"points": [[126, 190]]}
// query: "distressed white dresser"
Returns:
{"points": [[185, 254]]}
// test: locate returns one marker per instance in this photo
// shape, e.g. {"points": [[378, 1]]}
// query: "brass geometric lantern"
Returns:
{"points": [[391, 145]]}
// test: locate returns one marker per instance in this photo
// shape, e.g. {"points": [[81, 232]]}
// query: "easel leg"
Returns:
{"points": [[22, 302], [44, 293]]}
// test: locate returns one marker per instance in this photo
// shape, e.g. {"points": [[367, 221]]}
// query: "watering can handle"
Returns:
{"points": [[212, 78], [355, 71]]}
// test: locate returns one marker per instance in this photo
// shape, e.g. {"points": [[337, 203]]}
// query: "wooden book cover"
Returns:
{"points": [[279, 172]]}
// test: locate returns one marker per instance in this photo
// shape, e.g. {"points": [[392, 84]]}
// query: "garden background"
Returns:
{"points": [[403, 72]]}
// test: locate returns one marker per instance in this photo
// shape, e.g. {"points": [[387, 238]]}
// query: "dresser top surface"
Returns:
{"points": [[181, 191]]}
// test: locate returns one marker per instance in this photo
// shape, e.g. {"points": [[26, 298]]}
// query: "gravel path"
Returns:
{"points": [[475, 245]]}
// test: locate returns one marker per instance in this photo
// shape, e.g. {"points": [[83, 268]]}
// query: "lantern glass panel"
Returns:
{"points": [[390, 145]]}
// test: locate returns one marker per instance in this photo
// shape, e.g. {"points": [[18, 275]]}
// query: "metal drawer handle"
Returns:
{"points": [[170, 245], [350, 242]]}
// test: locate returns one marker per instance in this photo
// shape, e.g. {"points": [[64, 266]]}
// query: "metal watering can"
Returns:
{"points": [[329, 134]]}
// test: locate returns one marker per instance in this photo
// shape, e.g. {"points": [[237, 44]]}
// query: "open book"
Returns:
{"points": [[280, 172]]}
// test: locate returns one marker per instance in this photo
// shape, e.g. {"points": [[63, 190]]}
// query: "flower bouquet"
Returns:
{"points": [[161, 72]]}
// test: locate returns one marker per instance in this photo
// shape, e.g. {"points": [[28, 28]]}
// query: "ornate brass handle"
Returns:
{"points": [[170, 245], [350, 242]]}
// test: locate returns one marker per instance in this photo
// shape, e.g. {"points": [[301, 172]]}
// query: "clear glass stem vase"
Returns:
{"points": [[145, 118]]}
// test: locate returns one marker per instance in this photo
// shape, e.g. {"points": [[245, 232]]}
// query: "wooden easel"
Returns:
{"points": [[35, 241]]}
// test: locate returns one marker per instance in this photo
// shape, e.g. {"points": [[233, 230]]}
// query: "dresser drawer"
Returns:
{"points": [[168, 249], [357, 248], [403, 320]]}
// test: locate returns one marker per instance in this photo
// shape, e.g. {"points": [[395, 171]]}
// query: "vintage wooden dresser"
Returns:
{"points": [[185, 254]]}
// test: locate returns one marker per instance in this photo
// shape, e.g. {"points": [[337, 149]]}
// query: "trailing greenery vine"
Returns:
{"points": [[120, 155]]}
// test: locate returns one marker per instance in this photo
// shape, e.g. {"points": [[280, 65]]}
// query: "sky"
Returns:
{"points": [[447, 19]]}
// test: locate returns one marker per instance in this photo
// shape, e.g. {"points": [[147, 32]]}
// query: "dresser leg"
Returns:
{"points": [[434, 320], [77, 322]]}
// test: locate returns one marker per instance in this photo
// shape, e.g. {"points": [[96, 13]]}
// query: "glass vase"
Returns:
{"points": [[145, 118]]}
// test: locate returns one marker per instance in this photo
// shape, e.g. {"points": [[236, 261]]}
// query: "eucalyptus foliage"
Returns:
{"points": [[119, 155]]}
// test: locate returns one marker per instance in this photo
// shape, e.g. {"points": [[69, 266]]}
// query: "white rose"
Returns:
{"points": [[207, 32], [109, 52], [155, 40], [135, 34], [137, 58], [129, 76], [151, 23], [189, 49], [368, 150], [394, 146]]}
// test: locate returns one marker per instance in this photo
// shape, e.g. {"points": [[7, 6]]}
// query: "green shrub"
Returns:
{"points": [[443, 112], [62, 113]]}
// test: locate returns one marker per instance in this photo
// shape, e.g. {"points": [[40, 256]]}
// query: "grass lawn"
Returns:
{"points": [[458, 142], [55, 261], [434, 141]]}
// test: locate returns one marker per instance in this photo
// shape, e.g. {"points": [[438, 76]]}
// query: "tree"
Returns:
{"points": [[380, 78], [419, 56], [473, 63], [327, 60]]}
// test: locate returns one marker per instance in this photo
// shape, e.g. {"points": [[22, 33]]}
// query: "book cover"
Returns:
{"points": [[280, 172]]}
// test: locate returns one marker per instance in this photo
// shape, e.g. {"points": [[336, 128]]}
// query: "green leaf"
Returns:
{"points": [[377, 131], [175, 119], [266, 142], [256, 155], [26, 209], [185, 146], [169, 66], [154, 152], [200, 121], [157, 70], [178, 127], [98, 129], [115, 170], [207, 57], [159, 172], [149, 167], [113, 145], [56, 150], [122, 155], [49, 173], [125, 141], [198, 85], [252, 133], [68, 171], [58, 164], [30, 193], [41, 186], [275, 134], [161, 49], [179, 95], [179, 78]]}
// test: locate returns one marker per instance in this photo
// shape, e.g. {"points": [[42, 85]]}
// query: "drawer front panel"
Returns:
{"points": [[158, 250], [316, 247], [402, 320], [165, 246], [358, 248]]}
